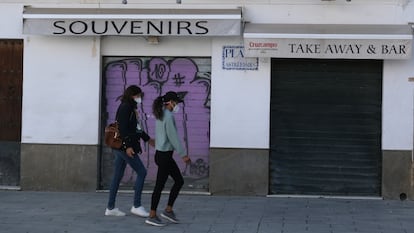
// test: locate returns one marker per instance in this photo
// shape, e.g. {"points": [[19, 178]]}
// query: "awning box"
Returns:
{"points": [[328, 41], [132, 22]]}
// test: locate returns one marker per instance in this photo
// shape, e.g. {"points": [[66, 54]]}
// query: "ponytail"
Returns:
{"points": [[157, 108]]}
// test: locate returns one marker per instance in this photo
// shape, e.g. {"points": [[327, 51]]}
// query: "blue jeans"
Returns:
{"points": [[121, 160]]}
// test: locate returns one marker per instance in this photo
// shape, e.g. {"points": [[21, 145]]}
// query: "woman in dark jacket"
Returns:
{"points": [[131, 134]]}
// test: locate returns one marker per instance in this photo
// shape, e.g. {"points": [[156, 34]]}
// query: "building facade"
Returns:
{"points": [[281, 97]]}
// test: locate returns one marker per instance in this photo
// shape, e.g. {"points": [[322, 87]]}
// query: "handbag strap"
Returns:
{"points": [[116, 115]]}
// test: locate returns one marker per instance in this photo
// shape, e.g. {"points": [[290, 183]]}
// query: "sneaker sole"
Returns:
{"points": [[140, 215], [154, 224], [113, 215], [169, 219], [116, 214]]}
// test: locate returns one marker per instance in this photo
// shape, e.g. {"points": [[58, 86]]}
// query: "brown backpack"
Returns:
{"points": [[112, 136]]}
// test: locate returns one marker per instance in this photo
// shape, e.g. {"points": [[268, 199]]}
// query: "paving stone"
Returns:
{"points": [[61, 212]]}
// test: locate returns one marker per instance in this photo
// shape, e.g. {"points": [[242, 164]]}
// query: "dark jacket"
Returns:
{"points": [[127, 121]]}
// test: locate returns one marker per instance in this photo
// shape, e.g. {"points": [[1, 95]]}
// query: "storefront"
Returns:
{"points": [[156, 62], [326, 104], [275, 103]]}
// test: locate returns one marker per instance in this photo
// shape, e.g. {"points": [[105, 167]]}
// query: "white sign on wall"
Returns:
{"points": [[234, 59], [328, 48], [131, 22]]}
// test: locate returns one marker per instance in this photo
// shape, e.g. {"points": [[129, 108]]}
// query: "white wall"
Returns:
{"points": [[167, 46], [57, 70], [338, 12], [61, 84], [61, 90], [408, 11], [240, 103], [398, 95], [215, 2], [397, 106], [11, 26]]}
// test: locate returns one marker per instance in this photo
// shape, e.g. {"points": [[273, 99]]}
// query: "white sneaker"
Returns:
{"points": [[140, 211], [114, 212]]}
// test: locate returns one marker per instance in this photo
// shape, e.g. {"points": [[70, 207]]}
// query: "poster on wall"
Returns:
{"points": [[188, 76], [234, 59]]}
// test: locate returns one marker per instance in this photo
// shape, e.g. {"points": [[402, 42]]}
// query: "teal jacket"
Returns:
{"points": [[166, 135]]}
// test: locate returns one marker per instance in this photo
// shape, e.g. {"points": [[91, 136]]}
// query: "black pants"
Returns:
{"points": [[166, 167]]}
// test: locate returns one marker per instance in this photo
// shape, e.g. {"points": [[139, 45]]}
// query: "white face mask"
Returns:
{"points": [[176, 108], [138, 100]]}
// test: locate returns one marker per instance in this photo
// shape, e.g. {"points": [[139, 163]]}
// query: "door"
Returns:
{"points": [[326, 127], [11, 76]]}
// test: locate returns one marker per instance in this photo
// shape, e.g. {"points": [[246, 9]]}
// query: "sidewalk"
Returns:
{"points": [[65, 212]]}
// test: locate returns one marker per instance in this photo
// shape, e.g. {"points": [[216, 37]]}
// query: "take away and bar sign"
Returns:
{"points": [[328, 41], [323, 48]]}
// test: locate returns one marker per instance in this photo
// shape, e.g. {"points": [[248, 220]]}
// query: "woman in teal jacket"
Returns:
{"points": [[166, 142]]}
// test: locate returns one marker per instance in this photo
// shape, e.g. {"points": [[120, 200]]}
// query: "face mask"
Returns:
{"points": [[138, 100], [176, 108]]}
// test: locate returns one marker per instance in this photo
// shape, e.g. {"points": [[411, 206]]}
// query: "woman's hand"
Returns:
{"points": [[186, 159], [151, 142], [130, 152]]}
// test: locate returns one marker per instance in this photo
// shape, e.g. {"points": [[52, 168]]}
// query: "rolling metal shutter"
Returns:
{"points": [[326, 127], [189, 76]]}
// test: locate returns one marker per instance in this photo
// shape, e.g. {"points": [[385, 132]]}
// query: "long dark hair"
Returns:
{"points": [[129, 92], [157, 108]]}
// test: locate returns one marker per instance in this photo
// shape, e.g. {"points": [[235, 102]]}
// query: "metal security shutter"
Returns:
{"points": [[326, 127], [188, 76]]}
